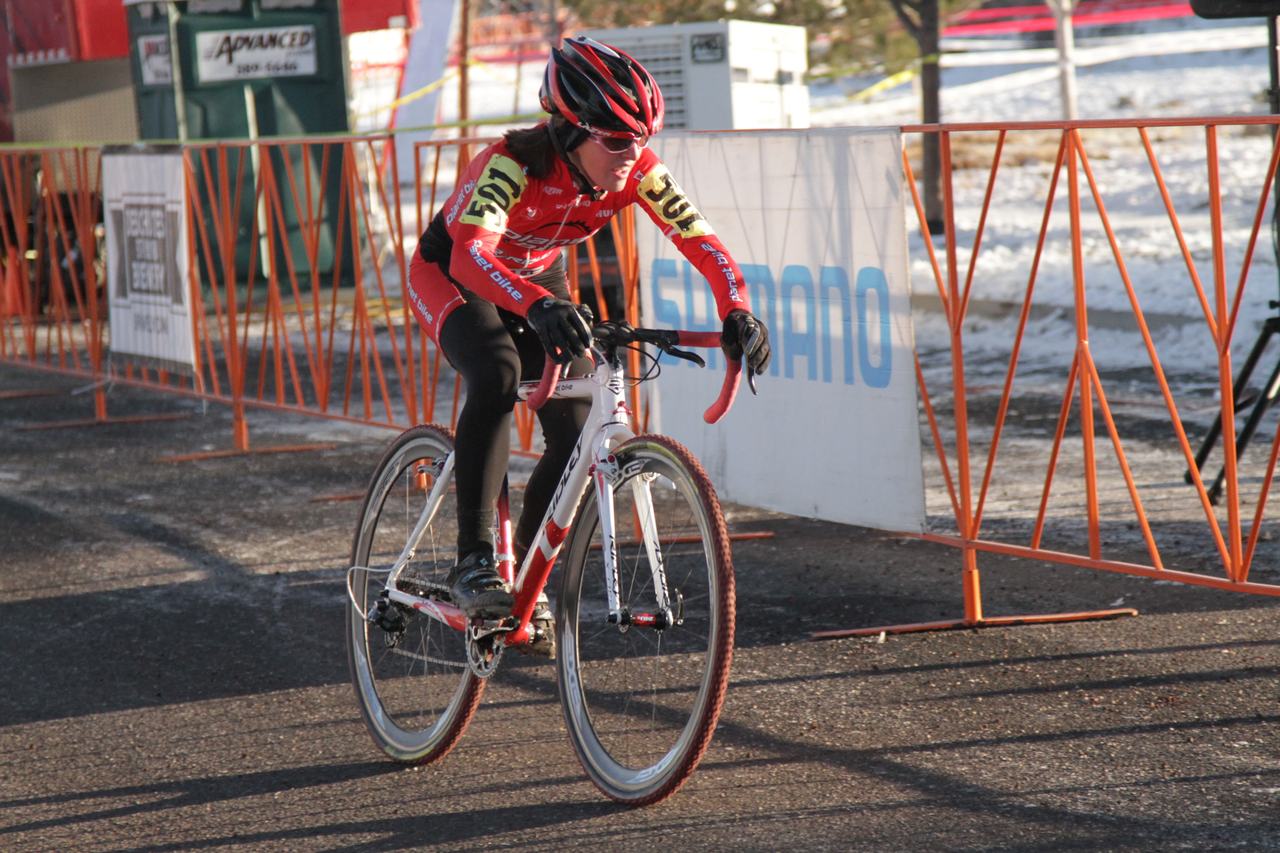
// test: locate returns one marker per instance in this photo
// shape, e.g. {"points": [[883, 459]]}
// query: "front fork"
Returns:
{"points": [[607, 476]]}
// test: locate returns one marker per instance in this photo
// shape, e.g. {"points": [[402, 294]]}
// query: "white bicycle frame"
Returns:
{"points": [[607, 427]]}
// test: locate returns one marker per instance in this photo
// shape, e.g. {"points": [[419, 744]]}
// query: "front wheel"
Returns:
{"points": [[414, 686], [642, 685]]}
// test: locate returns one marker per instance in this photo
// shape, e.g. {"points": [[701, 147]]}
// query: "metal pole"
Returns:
{"points": [[1274, 92], [464, 60], [255, 159], [179, 97], [1274, 65]]}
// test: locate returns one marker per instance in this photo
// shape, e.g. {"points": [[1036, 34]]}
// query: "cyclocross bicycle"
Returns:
{"points": [[644, 617]]}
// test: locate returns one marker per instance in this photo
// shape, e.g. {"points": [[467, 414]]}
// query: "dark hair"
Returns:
{"points": [[533, 148]]}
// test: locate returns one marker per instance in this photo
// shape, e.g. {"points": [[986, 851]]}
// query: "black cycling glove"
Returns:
{"points": [[563, 328], [746, 334]]}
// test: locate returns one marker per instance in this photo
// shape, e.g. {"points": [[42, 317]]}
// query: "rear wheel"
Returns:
{"points": [[415, 689], [642, 687]]}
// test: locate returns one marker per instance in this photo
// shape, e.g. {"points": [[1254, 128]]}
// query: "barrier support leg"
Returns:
{"points": [[105, 421], [257, 451], [240, 438], [972, 583], [100, 416], [239, 427], [27, 393], [973, 611]]}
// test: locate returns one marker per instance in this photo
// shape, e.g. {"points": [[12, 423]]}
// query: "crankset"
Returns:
{"points": [[484, 647]]}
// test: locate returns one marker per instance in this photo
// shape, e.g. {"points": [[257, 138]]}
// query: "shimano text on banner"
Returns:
{"points": [[815, 219]]}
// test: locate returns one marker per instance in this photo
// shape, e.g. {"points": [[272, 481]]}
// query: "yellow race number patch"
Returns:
{"points": [[497, 190], [664, 197]]}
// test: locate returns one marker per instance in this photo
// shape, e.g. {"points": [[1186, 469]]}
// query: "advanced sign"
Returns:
{"points": [[229, 55]]}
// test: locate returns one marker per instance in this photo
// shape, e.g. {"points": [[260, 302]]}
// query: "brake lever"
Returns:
{"points": [[687, 356], [751, 381]]}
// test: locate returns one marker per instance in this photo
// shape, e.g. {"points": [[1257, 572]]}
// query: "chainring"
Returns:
{"points": [[484, 652]]}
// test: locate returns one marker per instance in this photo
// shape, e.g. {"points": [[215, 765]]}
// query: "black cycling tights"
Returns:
{"points": [[492, 361]]}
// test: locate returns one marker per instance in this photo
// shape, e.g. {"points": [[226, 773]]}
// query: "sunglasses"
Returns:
{"points": [[619, 144]]}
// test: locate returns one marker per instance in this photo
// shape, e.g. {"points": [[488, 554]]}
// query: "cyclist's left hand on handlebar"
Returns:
{"points": [[563, 328], [746, 335]]}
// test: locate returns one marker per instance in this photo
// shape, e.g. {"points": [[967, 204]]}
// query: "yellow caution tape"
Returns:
{"points": [[411, 97], [894, 79], [419, 93], [887, 83]]}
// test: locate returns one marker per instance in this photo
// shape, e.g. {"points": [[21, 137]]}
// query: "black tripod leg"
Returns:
{"points": [[1260, 407], [1264, 336]]}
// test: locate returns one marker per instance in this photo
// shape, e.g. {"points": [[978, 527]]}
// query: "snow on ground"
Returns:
{"points": [[1200, 69], [1148, 245], [1203, 69]]}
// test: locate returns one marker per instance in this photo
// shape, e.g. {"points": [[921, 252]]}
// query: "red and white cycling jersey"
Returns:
{"points": [[506, 227]]}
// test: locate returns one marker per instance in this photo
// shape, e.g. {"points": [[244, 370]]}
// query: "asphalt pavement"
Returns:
{"points": [[175, 679]]}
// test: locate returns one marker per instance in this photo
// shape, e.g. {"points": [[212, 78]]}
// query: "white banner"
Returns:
{"points": [[223, 55], [815, 218], [427, 64], [147, 266]]}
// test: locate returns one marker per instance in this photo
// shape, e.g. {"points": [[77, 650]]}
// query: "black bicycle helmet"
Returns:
{"points": [[601, 90]]}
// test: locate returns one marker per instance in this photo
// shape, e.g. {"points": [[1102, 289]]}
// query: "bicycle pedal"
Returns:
{"points": [[481, 628]]}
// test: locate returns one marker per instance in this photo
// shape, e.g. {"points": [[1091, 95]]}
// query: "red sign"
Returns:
{"points": [[41, 31], [47, 31], [102, 28], [361, 15]]}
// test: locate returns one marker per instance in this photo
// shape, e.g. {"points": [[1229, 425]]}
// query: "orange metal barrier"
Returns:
{"points": [[298, 267], [1099, 165], [307, 320], [51, 296], [298, 257]]}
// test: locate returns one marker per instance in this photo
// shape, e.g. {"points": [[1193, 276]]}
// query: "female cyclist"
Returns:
{"points": [[488, 281]]}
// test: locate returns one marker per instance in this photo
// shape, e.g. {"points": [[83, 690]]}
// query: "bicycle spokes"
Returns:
{"points": [[409, 666], [646, 642]]}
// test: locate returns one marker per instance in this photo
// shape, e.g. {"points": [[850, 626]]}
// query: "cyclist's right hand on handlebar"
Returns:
{"points": [[563, 328], [746, 335]]}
